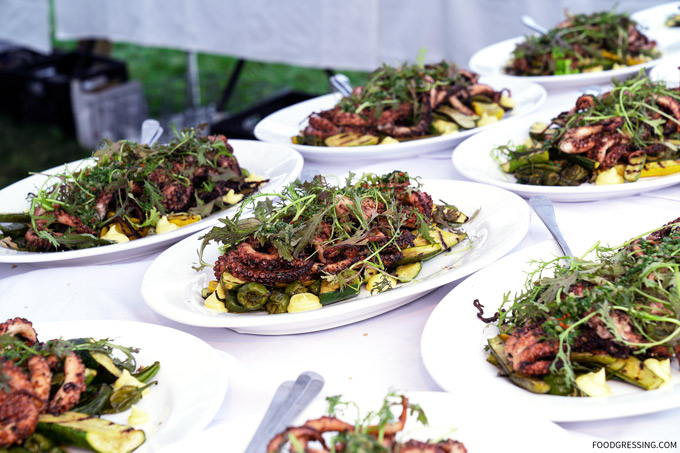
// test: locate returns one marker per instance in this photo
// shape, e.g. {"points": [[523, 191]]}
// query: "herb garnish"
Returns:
{"points": [[583, 42], [130, 186], [294, 218], [640, 279], [637, 119]]}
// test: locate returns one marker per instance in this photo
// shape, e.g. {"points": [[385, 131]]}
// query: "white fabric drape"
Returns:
{"points": [[348, 34], [26, 23]]}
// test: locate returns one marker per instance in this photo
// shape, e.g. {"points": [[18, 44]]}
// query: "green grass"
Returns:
{"points": [[26, 147]]}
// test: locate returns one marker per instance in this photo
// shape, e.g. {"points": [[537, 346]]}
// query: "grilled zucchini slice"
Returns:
{"points": [[93, 433]]}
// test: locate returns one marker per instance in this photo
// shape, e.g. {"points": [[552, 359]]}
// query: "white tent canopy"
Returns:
{"points": [[348, 34], [26, 23]]}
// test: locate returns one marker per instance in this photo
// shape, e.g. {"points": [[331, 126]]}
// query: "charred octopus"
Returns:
{"points": [[403, 103], [329, 433], [618, 313], [615, 137], [328, 233], [129, 189], [27, 388], [49, 390]]}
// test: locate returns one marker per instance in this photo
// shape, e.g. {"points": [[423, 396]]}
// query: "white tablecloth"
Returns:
{"points": [[373, 355], [348, 34], [376, 354]]}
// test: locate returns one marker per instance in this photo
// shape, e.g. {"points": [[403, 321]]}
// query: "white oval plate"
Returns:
{"points": [[667, 70], [192, 381], [280, 164], [172, 288], [653, 22], [461, 419], [492, 59], [280, 126], [474, 161], [454, 322]]}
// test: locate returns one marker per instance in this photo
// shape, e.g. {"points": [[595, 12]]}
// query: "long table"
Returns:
{"points": [[374, 355], [378, 353]]}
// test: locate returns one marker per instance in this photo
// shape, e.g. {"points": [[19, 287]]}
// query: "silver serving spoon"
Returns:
{"points": [[288, 402], [341, 83], [529, 22], [544, 208]]}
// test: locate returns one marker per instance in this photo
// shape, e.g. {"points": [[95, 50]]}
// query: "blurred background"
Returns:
{"points": [[75, 71]]}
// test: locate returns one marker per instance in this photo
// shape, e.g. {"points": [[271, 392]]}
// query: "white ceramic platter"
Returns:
{"points": [[655, 17], [454, 335], [172, 288], [449, 417], [667, 70], [280, 164], [185, 399], [474, 160], [653, 22], [492, 59], [281, 126]]}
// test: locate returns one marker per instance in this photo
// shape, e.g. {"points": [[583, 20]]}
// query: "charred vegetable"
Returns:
{"points": [[583, 43], [278, 302], [620, 312], [92, 433], [407, 102], [323, 241], [619, 136], [252, 295], [61, 387], [130, 191]]}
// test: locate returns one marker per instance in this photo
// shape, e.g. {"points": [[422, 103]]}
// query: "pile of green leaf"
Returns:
{"points": [[639, 279], [291, 220], [646, 126], [125, 169], [393, 86], [584, 42]]}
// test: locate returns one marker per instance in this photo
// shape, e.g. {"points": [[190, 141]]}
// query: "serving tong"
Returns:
{"points": [[151, 132], [290, 399], [546, 212], [531, 23], [341, 83]]}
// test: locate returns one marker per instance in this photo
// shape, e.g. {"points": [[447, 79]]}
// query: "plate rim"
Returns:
{"points": [[555, 408], [261, 324], [554, 81]]}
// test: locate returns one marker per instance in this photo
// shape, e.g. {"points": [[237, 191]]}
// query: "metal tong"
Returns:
{"points": [[544, 208], [530, 23], [151, 132], [341, 83], [290, 399]]}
